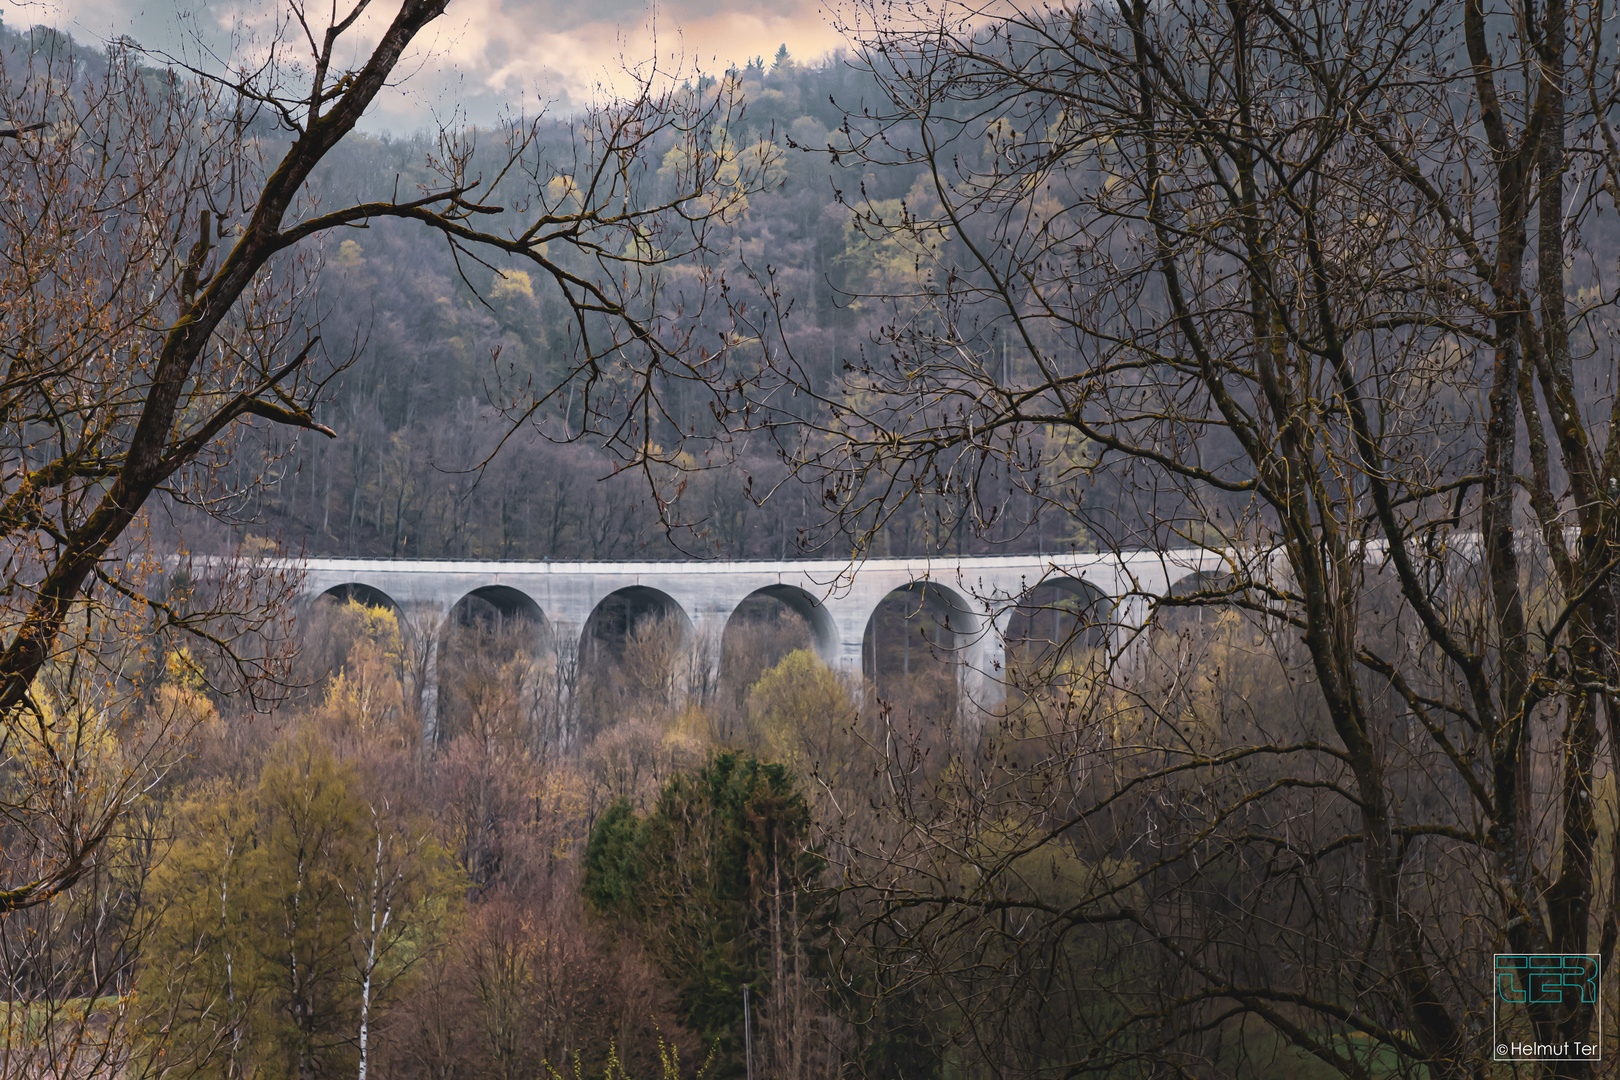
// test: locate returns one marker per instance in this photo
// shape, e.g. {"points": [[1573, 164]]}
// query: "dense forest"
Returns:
{"points": [[563, 881], [436, 351]]}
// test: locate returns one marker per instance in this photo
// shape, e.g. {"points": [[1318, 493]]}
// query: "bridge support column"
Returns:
{"points": [[1130, 614], [429, 698], [848, 615], [565, 645], [981, 675], [706, 650], [422, 627]]}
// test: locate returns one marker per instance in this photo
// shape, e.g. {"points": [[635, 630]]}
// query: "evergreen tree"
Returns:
{"points": [[720, 883]]}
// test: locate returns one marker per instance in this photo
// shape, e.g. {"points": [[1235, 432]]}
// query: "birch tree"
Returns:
{"points": [[391, 901]]}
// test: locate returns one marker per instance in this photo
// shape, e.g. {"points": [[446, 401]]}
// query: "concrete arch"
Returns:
{"points": [[1189, 580], [617, 615], [1077, 587], [487, 608], [1085, 615], [1200, 581], [964, 625], [366, 594], [490, 605], [823, 631], [1214, 583], [424, 592], [506, 601]]}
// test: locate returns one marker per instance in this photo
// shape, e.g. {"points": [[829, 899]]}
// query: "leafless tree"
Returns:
{"points": [[1325, 289], [158, 248]]}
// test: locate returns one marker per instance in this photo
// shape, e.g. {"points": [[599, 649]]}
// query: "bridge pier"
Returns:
{"points": [[428, 695]]}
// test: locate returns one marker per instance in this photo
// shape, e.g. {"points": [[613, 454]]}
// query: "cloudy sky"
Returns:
{"points": [[484, 54]]}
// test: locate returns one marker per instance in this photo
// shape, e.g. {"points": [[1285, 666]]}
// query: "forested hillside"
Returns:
{"points": [[442, 359], [435, 346]]}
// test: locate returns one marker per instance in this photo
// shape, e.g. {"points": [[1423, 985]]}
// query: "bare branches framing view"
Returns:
{"points": [[1324, 291], [1327, 289], [158, 262]]}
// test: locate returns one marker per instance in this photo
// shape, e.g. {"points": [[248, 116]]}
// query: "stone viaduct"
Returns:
{"points": [[837, 598]]}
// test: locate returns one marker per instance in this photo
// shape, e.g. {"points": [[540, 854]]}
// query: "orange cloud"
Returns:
{"points": [[485, 55]]}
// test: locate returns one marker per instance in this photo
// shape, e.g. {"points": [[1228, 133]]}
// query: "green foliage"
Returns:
{"points": [[613, 860], [270, 927], [718, 881], [308, 823], [802, 714]]}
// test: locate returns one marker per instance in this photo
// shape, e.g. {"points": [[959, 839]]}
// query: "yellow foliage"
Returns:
{"points": [[78, 740], [562, 191], [693, 724], [801, 712], [898, 256], [676, 160], [366, 698], [263, 876], [562, 802], [348, 256], [181, 671], [182, 707], [376, 630], [513, 283]]}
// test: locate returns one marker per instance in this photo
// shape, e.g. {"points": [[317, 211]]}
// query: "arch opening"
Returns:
{"points": [[357, 634], [1200, 584], [1058, 625], [619, 616], [913, 648], [766, 626], [637, 653], [361, 593], [494, 653], [495, 606]]}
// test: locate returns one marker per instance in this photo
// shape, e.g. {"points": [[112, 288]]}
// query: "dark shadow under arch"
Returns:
{"points": [[823, 633], [766, 626], [497, 604], [1195, 599], [1058, 616], [485, 659], [914, 645], [618, 615]]}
